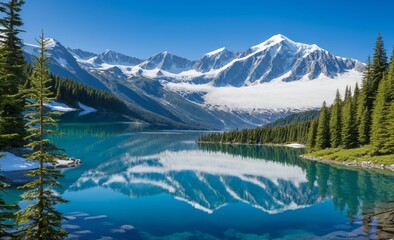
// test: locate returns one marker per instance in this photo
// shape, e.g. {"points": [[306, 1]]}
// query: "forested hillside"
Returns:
{"points": [[295, 118]]}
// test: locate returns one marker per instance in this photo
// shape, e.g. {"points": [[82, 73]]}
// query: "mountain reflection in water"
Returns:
{"points": [[151, 166]]}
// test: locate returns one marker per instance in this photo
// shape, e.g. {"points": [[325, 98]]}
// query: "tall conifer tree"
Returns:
{"points": [[311, 140], [349, 133], [335, 122], [379, 64], [364, 107], [12, 123], [381, 120], [389, 144], [40, 219], [323, 128]]}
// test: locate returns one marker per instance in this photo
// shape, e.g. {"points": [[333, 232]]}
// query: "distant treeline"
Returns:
{"points": [[70, 92], [295, 132], [295, 118]]}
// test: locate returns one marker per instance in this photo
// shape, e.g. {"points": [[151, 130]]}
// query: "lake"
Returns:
{"points": [[141, 183]]}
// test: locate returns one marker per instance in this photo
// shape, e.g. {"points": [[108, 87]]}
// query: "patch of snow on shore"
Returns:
{"points": [[295, 145], [11, 162], [61, 107]]}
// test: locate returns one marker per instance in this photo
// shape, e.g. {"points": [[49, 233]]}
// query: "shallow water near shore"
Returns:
{"points": [[138, 183]]}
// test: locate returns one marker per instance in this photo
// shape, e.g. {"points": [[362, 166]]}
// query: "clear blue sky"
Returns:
{"points": [[190, 28]]}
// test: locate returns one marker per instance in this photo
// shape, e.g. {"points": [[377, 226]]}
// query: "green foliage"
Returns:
{"points": [[71, 92], [323, 128], [379, 64], [336, 122], [12, 74], [389, 143], [360, 154], [311, 139], [296, 132], [364, 107], [381, 119], [40, 220], [295, 118], [349, 125]]}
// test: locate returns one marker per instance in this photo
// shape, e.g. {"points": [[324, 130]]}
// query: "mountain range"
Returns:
{"points": [[221, 90]]}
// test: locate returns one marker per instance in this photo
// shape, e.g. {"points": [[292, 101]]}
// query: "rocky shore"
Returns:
{"points": [[363, 164]]}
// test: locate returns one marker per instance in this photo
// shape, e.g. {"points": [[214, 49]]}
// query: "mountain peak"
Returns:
{"points": [[106, 51], [274, 40], [215, 52], [51, 42], [278, 38]]}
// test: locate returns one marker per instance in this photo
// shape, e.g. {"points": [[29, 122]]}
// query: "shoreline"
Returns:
{"points": [[352, 164], [14, 160], [290, 145], [14, 166]]}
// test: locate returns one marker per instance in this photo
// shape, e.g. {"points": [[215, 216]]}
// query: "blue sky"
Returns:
{"points": [[190, 28]]}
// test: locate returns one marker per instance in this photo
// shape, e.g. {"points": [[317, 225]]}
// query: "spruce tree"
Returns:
{"points": [[323, 128], [40, 220], [349, 133], [381, 119], [335, 121], [389, 143], [379, 64], [5, 138], [12, 123], [311, 140], [364, 107]]}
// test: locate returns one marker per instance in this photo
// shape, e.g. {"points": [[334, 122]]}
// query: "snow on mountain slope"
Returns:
{"points": [[227, 89], [275, 95], [214, 60], [278, 57], [63, 63]]}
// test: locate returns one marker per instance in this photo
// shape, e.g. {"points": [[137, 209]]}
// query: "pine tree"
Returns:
{"points": [[311, 140], [364, 107], [12, 123], [40, 219], [356, 96], [381, 120], [323, 128], [349, 133], [335, 122], [389, 144], [379, 64], [5, 138]]}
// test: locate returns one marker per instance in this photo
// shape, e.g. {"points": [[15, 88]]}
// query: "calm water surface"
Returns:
{"points": [[137, 183]]}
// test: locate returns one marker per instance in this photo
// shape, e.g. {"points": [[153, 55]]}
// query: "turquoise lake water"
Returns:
{"points": [[139, 183]]}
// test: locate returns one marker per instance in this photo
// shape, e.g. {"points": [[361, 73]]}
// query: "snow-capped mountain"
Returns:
{"points": [[278, 57], [63, 63], [214, 60], [223, 89]]}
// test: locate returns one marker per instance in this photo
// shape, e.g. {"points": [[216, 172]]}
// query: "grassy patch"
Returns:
{"points": [[349, 155]]}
